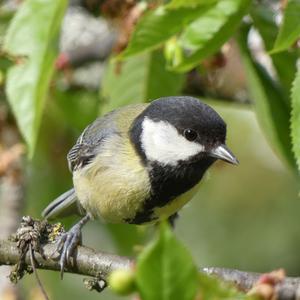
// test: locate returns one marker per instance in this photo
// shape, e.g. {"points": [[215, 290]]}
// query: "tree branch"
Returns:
{"points": [[86, 261], [89, 262], [288, 289]]}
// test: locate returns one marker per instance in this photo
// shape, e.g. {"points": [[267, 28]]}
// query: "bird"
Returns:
{"points": [[139, 164]]}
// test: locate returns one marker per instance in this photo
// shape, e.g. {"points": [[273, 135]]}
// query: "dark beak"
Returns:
{"points": [[223, 153]]}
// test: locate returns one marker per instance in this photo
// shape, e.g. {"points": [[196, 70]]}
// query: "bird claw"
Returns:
{"points": [[66, 246]]}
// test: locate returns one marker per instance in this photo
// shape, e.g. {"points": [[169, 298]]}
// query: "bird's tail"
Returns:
{"points": [[64, 205]]}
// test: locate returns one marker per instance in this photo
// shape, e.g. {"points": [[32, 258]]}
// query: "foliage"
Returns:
{"points": [[188, 3], [158, 26], [141, 78], [270, 103], [32, 37], [205, 35], [290, 30], [203, 29], [165, 270], [264, 20]]}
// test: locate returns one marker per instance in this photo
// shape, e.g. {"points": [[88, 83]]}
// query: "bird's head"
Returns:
{"points": [[175, 130]]}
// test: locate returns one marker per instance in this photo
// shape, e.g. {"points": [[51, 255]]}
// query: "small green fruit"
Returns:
{"points": [[122, 282]]}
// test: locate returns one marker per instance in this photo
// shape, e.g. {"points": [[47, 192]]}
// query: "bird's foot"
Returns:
{"points": [[67, 245], [68, 242]]}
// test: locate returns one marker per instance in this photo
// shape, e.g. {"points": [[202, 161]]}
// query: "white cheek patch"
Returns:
{"points": [[161, 142]]}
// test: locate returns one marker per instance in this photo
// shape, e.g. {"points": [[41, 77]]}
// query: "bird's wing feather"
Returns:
{"points": [[90, 141], [65, 205]]}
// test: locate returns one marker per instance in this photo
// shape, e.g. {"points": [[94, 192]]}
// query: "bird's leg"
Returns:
{"points": [[68, 242]]}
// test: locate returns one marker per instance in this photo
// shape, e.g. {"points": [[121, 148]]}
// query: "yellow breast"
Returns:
{"points": [[114, 185]]}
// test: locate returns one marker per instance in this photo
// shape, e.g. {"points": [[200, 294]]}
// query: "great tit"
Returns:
{"points": [[139, 164]]}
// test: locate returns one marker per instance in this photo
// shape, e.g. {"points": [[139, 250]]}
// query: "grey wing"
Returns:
{"points": [[89, 142]]}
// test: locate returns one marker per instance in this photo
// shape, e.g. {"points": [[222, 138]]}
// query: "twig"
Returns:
{"points": [[244, 281], [89, 262], [288, 289], [31, 254]]}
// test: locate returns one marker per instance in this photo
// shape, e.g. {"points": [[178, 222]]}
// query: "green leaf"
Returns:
{"points": [[32, 35], [165, 270], [271, 108], [157, 26], [295, 119], [284, 62], [205, 35], [139, 79], [175, 4], [290, 28]]}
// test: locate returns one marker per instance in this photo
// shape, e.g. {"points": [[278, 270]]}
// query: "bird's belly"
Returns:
{"points": [[111, 195]]}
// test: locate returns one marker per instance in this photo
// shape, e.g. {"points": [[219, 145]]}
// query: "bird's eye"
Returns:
{"points": [[190, 134]]}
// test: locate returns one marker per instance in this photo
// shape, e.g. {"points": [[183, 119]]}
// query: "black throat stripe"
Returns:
{"points": [[167, 183]]}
